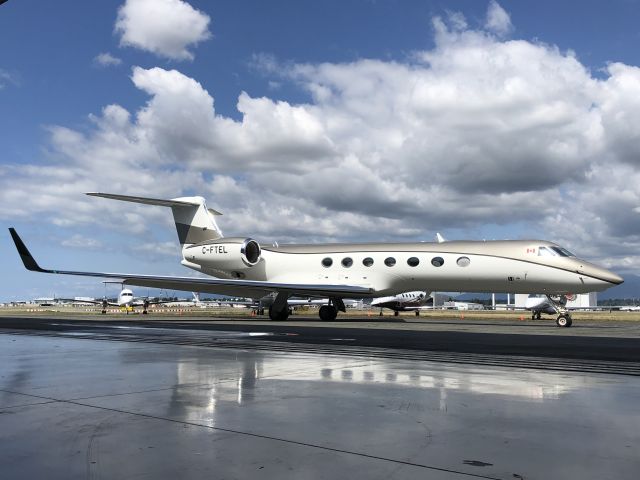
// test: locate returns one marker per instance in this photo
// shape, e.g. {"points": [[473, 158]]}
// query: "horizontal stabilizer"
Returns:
{"points": [[153, 201]]}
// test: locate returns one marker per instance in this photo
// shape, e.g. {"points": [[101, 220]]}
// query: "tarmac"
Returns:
{"points": [[243, 399]]}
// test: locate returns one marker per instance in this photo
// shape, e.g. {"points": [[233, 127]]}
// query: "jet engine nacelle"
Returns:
{"points": [[225, 254]]}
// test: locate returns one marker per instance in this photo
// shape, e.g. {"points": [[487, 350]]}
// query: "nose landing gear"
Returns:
{"points": [[563, 320], [559, 305]]}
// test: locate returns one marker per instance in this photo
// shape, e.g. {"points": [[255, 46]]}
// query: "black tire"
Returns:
{"points": [[328, 313], [396, 313], [563, 321], [276, 315], [417, 313]]}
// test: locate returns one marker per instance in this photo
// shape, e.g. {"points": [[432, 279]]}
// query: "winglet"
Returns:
{"points": [[27, 258]]}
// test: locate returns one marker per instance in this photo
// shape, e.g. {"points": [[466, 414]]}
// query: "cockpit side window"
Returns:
{"points": [[563, 252], [546, 252]]}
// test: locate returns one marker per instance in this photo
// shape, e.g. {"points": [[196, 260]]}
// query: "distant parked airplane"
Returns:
{"points": [[125, 300], [402, 302]]}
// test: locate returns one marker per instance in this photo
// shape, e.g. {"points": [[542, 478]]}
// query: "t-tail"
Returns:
{"points": [[195, 223]]}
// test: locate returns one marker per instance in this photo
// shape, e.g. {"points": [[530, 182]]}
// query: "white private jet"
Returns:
{"points": [[405, 301], [243, 267], [125, 301]]}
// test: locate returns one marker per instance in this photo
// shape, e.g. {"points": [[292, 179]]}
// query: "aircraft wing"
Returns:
{"points": [[240, 288], [94, 302]]}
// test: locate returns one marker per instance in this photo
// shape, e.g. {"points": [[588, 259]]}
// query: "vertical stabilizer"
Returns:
{"points": [[195, 222]]}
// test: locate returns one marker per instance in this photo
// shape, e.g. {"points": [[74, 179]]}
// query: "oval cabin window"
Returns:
{"points": [[413, 262], [463, 262], [389, 261], [327, 262], [347, 262], [367, 262], [437, 261]]}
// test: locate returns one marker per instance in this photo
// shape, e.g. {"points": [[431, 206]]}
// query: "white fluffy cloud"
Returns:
{"points": [[498, 20], [80, 241], [105, 59], [164, 27], [478, 130]]}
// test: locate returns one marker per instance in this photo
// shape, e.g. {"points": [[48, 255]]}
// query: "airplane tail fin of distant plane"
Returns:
{"points": [[195, 222]]}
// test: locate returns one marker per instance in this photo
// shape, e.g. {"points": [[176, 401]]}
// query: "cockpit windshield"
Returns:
{"points": [[563, 252], [554, 252]]}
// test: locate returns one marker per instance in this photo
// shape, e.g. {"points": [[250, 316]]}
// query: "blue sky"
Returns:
{"points": [[362, 169]]}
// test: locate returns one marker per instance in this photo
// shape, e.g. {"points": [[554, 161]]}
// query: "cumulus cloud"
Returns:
{"points": [[498, 20], [105, 59], [164, 27], [80, 241], [477, 130]]}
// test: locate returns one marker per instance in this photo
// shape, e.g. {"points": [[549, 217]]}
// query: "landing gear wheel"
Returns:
{"points": [[417, 313], [396, 313], [563, 321], [261, 311], [278, 315], [328, 313]]}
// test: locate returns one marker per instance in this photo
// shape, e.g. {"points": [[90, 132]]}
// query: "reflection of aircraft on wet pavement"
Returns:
{"points": [[244, 267]]}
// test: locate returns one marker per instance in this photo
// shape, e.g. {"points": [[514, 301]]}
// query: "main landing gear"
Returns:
{"points": [[279, 310], [280, 314], [559, 305], [328, 313]]}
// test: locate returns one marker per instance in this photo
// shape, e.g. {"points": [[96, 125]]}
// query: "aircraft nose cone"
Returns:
{"points": [[613, 278], [604, 275]]}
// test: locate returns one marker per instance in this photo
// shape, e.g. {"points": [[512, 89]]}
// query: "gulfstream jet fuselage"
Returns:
{"points": [[244, 267]]}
